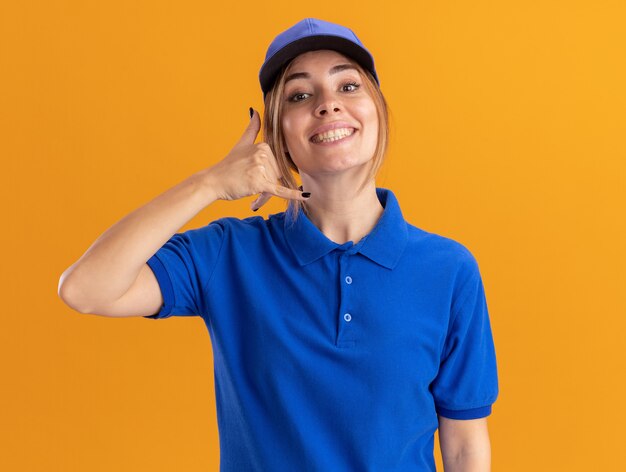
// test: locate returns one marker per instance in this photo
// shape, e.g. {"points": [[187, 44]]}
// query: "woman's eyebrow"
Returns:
{"points": [[306, 75]]}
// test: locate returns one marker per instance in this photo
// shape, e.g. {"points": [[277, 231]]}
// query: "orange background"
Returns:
{"points": [[509, 126]]}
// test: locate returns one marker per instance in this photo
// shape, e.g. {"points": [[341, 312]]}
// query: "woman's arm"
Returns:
{"points": [[109, 268], [112, 277], [465, 445]]}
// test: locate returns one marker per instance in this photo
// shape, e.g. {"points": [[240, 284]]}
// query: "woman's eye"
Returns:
{"points": [[297, 97], [354, 86]]}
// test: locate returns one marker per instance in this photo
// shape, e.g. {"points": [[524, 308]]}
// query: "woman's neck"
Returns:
{"points": [[343, 213]]}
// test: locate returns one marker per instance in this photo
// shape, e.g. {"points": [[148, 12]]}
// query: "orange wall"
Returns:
{"points": [[509, 136]]}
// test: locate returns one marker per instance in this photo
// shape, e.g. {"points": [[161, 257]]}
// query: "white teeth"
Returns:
{"points": [[332, 135]]}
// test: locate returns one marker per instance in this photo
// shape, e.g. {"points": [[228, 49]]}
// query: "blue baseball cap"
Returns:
{"points": [[312, 34]]}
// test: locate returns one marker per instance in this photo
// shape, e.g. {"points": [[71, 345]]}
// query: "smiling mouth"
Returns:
{"points": [[332, 135]]}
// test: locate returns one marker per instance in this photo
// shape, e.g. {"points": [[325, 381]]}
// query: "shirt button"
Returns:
{"points": [[347, 317], [348, 280]]}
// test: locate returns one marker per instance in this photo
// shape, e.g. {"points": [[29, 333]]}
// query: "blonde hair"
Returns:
{"points": [[273, 132]]}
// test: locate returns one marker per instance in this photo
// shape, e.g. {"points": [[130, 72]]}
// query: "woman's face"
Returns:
{"points": [[329, 120]]}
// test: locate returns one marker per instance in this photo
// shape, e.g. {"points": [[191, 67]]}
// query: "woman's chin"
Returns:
{"points": [[335, 168]]}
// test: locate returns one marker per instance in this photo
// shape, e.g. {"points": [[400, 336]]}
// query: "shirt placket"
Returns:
{"points": [[346, 317]]}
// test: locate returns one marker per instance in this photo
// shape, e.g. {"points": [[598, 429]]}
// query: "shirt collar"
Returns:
{"points": [[383, 245]]}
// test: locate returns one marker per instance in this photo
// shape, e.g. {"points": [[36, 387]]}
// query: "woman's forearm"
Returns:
{"points": [[112, 263]]}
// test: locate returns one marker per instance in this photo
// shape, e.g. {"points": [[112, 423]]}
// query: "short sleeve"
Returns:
{"points": [[183, 267], [466, 385]]}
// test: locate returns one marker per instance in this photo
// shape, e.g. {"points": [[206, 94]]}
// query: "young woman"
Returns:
{"points": [[343, 336]]}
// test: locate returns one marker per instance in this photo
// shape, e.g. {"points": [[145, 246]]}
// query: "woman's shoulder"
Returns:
{"points": [[234, 227], [440, 247]]}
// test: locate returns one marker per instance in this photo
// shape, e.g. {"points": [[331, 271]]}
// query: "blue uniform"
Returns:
{"points": [[333, 357]]}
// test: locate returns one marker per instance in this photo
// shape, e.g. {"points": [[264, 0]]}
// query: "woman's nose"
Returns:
{"points": [[328, 103]]}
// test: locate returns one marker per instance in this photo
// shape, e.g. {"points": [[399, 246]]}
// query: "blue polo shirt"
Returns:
{"points": [[333, 357]]}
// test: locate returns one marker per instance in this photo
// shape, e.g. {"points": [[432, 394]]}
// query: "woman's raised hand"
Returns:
{"points": [[250, 169], [112, 277]]}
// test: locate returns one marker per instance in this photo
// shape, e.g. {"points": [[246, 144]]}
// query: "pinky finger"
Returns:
{"points": [[290, 194]]}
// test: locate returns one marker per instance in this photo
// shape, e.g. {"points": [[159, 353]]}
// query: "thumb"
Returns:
{"points": [[252, 131]]}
